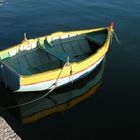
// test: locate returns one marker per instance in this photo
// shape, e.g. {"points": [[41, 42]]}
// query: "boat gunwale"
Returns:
{"points": [[31, 40]]}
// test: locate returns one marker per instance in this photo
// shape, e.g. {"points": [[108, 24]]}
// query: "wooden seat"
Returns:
{"points": [[61, 55]]}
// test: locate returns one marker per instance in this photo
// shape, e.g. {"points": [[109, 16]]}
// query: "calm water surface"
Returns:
{"points": [[114, 111]]}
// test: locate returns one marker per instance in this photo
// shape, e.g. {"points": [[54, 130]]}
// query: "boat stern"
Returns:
{"points": [[9, 77]]}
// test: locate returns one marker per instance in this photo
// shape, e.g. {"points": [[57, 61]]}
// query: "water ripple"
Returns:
{"points": [[3, 3]]}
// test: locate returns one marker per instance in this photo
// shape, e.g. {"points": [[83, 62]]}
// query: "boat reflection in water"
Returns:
{"points": [[59, 100]]}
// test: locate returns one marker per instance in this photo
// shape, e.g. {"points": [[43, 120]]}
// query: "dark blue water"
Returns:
{"points": [[114, 110]]}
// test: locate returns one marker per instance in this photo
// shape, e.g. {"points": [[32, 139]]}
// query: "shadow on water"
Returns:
{"points": [[59, 100]]}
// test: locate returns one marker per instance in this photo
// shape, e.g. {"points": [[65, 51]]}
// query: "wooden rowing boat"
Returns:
{"points": [[54, 60]]}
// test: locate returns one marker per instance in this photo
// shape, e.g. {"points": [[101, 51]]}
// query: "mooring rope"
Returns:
{"points": [[29, 102], [113, 33], [66, 64], [32, 101]]}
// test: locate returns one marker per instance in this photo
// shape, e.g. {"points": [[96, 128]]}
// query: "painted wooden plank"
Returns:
{"points": [[60, 54]]}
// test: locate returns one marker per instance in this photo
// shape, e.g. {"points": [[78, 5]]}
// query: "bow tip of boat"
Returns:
{"points": [[111, 24]]}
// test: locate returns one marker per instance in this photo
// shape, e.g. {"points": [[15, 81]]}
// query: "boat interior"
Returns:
{"points": [[52, 54]]}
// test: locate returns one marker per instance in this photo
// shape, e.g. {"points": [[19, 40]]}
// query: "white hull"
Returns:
{"points": [[60, 82]]}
